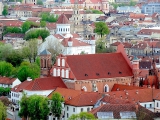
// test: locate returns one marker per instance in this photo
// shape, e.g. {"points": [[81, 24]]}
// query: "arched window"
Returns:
{"points": [[62, 73], [84, 88], [58, 62], [67, 74], [54, 72], [106, 88], [63, 62], [58, 72]]}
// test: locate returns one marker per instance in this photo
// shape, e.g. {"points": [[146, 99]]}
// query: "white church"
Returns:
{"points": [[66, 42]]}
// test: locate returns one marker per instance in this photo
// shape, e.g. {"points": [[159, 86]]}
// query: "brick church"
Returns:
{"points": [[90, 72]]}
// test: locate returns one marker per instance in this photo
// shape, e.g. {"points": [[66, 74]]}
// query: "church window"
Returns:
{"points": [[63, 62], [66, 29], [106, 88], [58, 62], [62, 72], [61, 29], [67, 74], [58, 72], [54, 72]]}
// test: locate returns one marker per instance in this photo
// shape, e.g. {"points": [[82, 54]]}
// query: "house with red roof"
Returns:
{"points": [[94, 72], [9, 82], [69, 43]]}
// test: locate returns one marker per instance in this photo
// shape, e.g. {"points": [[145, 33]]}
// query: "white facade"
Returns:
{"points": [[16, 97], [157, 106], [14, 83], [63, 29], [40, 92], [148, 105], [69, 110]]}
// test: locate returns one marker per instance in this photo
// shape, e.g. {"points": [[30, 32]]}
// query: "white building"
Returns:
{"points": [[70, 44], [9, 82]]}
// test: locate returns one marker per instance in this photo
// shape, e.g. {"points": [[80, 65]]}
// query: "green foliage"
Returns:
{"points": [[5, 11], [97, 12], [4, 91], [100, 46], [30, 51], [32, 70], [5, 50], [132, 3], [3, 111], [39, 2], [36, 33], [56, 104], [82, 116], [38, 61], [38, 107], [47, 17], [116, 5], [15, 58], [23, 112], [43, 23], [5, 69], [101, 28], [25, 26], [12, 30]]}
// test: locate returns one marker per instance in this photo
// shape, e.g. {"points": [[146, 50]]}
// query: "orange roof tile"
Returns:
{"points": [[7, 80], [120, 87], [62, 19], [47, 83]]}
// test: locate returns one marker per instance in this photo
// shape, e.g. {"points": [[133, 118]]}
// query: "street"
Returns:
{"points": [[16, 117]]}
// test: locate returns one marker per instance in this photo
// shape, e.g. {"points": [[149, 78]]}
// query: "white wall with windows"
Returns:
{"points": [[69, 110], [148, 105], [157, 105]]}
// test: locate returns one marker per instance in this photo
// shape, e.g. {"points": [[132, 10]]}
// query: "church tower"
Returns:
{"points": [[135, 68], [45, 62], [63, 25]]}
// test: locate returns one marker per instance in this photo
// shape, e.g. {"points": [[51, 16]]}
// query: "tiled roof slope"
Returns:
{"points": [[66, 93], [84, 99], [20, 87], [62, 19], [117, 108], [7, 80], [120, 87], [96, 66], [48, 83]]}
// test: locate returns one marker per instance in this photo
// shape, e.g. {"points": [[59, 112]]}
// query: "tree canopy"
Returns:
{"points": [[101, 29], [5, 11], [26, 26], [36, 33], [38, 107], [6, 68], [3, 111], [46, 16], [32, 70], [100, 46], [39, 2], [56, 104], [11, 30], [82, 116]]}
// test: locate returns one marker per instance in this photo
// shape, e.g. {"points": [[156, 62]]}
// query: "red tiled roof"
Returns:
{"points": [[117, 108], [134, 96], [20, 87], [137, 16], [75, 42], [66, 93], [115, 44], [120, 87], [47, 83], [7, 80], [62, 19], [84, 99], [12, 23], [51, 26], [94, 66], [148, 31]]}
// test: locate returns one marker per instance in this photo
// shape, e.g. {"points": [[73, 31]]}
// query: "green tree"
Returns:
{"points": [[38, 107], [32, 34], [32, 70], [3, 111], [43, 23], [23, 112], [5, 50], [5, 68], [5, 11], [15, 58], [132, 3], [46, 16], [26, 26], [97, 12], [11, 30], [101, 29], [56, 104], [82, 116], [39, 2], [100, 46]]}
